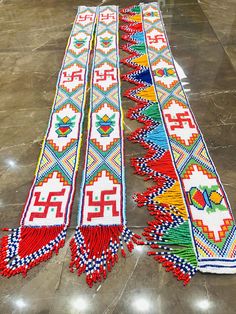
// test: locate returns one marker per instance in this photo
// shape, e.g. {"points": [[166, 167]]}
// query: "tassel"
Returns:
{"points": [[94, 249], [25, 247], [173, 240]]}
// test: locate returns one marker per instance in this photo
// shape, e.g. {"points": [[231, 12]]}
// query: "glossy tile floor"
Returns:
{"points": [[33, 36]]}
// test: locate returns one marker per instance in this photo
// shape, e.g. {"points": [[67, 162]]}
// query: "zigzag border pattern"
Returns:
{"points": [[164, 200], [147, 58]]}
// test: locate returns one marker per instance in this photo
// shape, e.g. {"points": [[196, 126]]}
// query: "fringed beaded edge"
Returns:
{"points": [[168, 233]]}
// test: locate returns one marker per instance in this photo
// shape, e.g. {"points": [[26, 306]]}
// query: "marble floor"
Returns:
{"points": [[33, 36]]}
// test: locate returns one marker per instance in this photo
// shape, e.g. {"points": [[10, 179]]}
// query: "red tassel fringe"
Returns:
{"points": [[94, 250], [26, 247]]}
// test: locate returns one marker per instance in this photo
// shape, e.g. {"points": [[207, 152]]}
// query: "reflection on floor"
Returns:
{"points": [[32, 42]]}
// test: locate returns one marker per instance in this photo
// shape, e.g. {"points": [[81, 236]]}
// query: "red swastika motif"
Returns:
{"points": [[180, 118], [156, 38], [73, 75], [105, 74], [102, 203], [107, 16], [46, 204], [82, 17]]}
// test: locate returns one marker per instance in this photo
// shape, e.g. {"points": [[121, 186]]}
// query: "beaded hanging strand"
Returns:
{"points": [[102, 230], [46, 214]]}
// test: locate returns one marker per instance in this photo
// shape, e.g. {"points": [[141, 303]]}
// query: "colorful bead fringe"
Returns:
{"points": [[95, 250]]}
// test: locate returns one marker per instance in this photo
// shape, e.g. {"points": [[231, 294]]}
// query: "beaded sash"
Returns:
{"points": [[192, 227]]}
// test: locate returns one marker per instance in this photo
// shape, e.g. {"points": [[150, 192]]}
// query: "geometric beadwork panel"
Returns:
{"points": [[72, 77], [57, 161], [180, 123], [105, 76], [151, 16], [206, 202], [195, 154], [102, 201], [107, 17], [106, 42], [48, 204], [79, 43], [165, 74], [85, 18], [106, 130], [64, 127], [155, 39]]}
